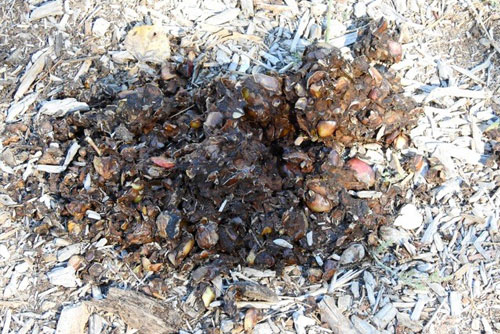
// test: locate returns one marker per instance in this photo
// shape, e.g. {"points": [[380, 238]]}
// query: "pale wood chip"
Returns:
{"points": [[30, 76]]}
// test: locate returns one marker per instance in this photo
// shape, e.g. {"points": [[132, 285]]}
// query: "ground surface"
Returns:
{"points": [[437, 275]]}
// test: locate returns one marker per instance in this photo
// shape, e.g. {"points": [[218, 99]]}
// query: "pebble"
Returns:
{"points": [[353, 253], [409, 217], [359, 9], [100, 27]]}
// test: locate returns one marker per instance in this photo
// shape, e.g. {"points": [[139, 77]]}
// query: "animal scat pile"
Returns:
{"points": [[235, 172]]}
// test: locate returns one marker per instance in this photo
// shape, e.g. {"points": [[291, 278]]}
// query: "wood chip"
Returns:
{"points": [[59, 169], [330, 314], [59, 108], [455, 304], [223, 17], [17, 109], [73, 319], [50, 8], [31, 73], [147, 315]]}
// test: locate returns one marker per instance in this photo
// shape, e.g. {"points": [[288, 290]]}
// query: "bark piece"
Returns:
{"points": [[140, 312]]}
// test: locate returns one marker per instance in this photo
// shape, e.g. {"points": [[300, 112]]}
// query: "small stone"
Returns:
{"points": [[359, 9], [214, 119], [353, 253], [409, 218], [100, 27]]}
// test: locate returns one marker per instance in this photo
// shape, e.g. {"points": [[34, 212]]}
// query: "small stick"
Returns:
{"points": [[94, 146]]}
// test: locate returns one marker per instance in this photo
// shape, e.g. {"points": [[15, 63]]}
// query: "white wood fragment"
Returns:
{"points": [[7, 200], [100, 27], [355, 289], [344, 40], [121, 57], [437, 288], [419, 306], [283, 243], [384, 316], [59, 108], [73, 319], [50, 8], [301, 322], [31, 73], [6, 322], [4, 252], [17, 109], [300, 30], [27, 326], [455, 300], [65, 253], [64, 277], [309, 238], [486, 326], [247, 7], [431, 229], [363, 326], [93, 215], [440, 92], [59, 169], [96, 324], [83, 69], [293, 6], [244, 63], [223, 17]]}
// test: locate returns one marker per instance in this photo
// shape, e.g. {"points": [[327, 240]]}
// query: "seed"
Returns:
{"points": [[326, 128], [363, 172], [317, 202]]}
